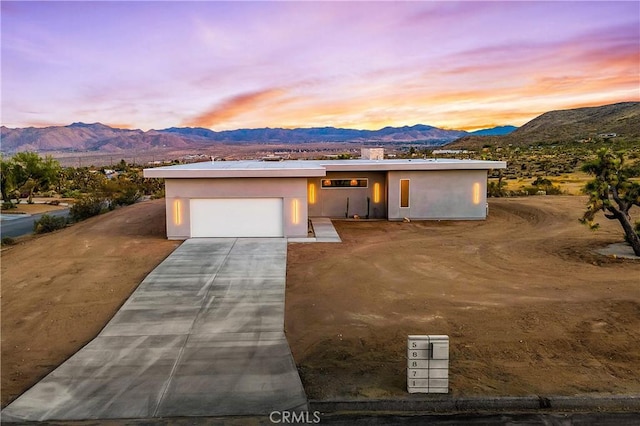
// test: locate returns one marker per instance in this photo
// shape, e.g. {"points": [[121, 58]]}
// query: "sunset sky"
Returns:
{"points": [[228, 65]]}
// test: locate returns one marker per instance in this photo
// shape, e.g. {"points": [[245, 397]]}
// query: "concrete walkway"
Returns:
{"points": [[324, 230], [201, 336]]}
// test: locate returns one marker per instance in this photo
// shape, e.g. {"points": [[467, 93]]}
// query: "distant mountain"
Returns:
{"points": [[495, 131], [417, 133], [98, 137], [85, 137], [556, 127]]}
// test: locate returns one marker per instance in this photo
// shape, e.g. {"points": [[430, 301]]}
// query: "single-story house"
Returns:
{"points": [[276, 198]]}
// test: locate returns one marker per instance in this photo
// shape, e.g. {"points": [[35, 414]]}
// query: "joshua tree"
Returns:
{"points": [[612, 192]]}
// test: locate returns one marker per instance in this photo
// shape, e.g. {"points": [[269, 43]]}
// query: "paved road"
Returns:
{"points": [[18, 225]]}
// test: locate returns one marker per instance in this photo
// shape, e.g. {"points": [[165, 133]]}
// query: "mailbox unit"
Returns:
{"points": [[428, 364]]}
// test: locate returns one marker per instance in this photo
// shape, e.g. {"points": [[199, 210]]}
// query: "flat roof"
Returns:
{"points": [[311, 168], [232, 169]]}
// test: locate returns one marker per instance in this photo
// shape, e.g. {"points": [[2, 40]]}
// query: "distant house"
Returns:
{"points": [[276, 198], [608, 135], [110, 174]]}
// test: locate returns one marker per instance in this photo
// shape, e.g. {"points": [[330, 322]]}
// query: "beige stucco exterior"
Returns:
{"points": [[438, 189], [439, 194], [179, 192]]}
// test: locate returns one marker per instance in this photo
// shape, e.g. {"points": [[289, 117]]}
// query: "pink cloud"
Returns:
{"points": [[232, 107]]}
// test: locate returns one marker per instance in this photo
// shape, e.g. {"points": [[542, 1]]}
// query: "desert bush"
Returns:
{"points": [[158, 194], [8, 241], [128, 194], [6, 205], [86, 207], [49, 223]]}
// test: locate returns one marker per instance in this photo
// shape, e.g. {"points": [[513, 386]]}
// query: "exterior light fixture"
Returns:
{"points": [[476, 193], [312, 193], [295, 211], [177, 212]]}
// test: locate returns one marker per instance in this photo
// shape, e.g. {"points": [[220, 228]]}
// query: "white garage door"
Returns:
{"points": [[236, 217]]}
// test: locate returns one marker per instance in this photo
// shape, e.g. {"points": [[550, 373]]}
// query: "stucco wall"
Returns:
{"points": [[446, 194], [332, 202], [178, 192]]}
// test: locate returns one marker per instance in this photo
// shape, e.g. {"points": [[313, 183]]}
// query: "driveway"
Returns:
{"points": [[201, 336]]}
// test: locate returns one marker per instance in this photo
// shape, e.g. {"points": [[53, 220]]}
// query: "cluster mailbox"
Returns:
{"points": [[428, 364]]}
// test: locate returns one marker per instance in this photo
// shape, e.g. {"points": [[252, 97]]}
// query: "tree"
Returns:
{"points": [[612, 192], [7, 181], [32, 173]]}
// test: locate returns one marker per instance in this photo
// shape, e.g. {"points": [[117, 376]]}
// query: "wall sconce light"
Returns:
{"points": [[295, 212], [312, 193], [376, 192], [476, 193], [177, 212]]}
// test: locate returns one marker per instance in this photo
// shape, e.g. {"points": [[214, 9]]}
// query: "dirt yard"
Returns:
{"points": [[60, 289], [528, 307]]}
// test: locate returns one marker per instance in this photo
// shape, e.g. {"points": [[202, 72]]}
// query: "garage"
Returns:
{"points": [[236, 217]]}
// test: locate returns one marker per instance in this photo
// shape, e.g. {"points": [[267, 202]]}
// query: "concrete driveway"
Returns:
{"points": [[203, 335]]}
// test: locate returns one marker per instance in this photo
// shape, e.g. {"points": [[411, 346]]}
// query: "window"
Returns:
{"points": [[404, 192], [345, 183]]}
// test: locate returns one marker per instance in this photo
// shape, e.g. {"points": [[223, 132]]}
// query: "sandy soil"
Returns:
{"points": [[23, 208], [60, 289], [528, 307]]}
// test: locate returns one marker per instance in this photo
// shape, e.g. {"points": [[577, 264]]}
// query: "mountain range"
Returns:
{"points": [[562, 126], [102, 138]]}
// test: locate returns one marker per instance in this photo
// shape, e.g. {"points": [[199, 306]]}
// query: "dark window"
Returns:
{"points": [[344, 183], [404, 192]]}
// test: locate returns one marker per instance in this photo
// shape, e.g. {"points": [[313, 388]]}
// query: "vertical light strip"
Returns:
{"points": [[295, 212], [376, 192], [476, 193], [177, 212], [312, 193]]}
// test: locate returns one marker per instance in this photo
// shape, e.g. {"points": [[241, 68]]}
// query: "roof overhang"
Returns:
{"points": [[238, 169], [310, 168]]}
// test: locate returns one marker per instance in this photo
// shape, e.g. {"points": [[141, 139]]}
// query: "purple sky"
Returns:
{"points": [[228, 65]]}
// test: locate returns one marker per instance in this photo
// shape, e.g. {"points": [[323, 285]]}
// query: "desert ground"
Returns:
{"points": [[60, 289], [529, 308]]}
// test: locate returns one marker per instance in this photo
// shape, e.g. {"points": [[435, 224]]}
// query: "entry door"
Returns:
{"points": [[236, 217]]}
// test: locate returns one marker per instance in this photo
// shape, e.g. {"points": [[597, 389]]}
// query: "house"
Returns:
{"points": [[276, 198]]}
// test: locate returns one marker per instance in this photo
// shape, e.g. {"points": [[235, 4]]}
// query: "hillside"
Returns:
{"points": [[87, 137], [100, 138], [564, 126]]}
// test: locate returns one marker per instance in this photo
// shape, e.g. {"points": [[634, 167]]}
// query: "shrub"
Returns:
{"points": [[6, 205], [8, 241], [49, 224], [158, 194], [127, 195], [86, 207]]}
